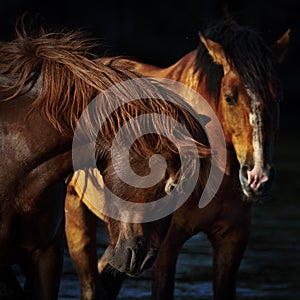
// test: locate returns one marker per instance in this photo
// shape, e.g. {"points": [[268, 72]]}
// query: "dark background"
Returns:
{"points": [[160, 32]]}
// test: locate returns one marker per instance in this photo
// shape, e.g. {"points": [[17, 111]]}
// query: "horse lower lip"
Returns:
{"points": [[251, 196], [134, 274]]}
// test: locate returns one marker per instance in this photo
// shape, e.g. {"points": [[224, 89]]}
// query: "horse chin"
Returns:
{"points": [[135, 274], [254, 197]]}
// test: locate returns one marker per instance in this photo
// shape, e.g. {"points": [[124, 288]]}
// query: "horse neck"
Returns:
{"points": [[181, 70], [184, 71]]}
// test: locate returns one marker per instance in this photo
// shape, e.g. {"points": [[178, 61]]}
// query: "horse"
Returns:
{"points": [[236, 72], [48, 82]]}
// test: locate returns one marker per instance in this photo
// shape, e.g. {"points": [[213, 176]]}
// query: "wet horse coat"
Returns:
{"points": [[46, 82], [235, 71]]}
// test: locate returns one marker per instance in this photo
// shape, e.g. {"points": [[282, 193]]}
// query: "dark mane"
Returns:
{"points": [[246, 52], [59, 68], [57, 65]]}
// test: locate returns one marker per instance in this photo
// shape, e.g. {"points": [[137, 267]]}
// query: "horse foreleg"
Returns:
{"points": [[41, 244], [229, 241], [49, 263], [164, 268], [81, 225], [43, 268]]}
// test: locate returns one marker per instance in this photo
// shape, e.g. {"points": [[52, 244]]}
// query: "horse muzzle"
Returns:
{"points": [[131, 258], [257, 181]]}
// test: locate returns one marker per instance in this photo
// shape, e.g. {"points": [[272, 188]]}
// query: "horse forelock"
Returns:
{"points": [[160, 114], [161, 108], [246, 53]]}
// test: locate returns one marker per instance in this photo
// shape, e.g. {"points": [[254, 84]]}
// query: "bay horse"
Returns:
{"points": [[236, 72], [47, 82]]}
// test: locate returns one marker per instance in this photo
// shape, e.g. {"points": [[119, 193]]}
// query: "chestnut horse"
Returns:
{"points": [[47, 81], [236, 72]]}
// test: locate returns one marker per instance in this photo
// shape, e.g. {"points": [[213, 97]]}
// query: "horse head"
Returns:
{"points": [[149, 152], [134, 211], [249, 104]]}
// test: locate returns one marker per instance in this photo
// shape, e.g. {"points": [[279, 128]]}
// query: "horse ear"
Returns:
{"points": [[280, 47], [216, 52]]}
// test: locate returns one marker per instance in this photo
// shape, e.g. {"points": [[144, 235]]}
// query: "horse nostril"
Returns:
{"points": [[131, 258], [257, 179], [244, 171], [148, 262]]}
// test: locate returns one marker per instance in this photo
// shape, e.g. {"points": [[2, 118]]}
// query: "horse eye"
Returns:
{"points": [[229, 99], [169, 187]]}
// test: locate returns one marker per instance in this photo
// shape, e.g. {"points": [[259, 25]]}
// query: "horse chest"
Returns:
{"points": [[32, 230]]}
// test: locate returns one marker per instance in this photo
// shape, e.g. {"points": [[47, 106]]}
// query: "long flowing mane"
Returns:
{"points": [[62, 72], [246, 52], [58, 65]]}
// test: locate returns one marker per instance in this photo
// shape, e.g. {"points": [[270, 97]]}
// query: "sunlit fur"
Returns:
{"points": [[250, 119], [251, 81]]}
